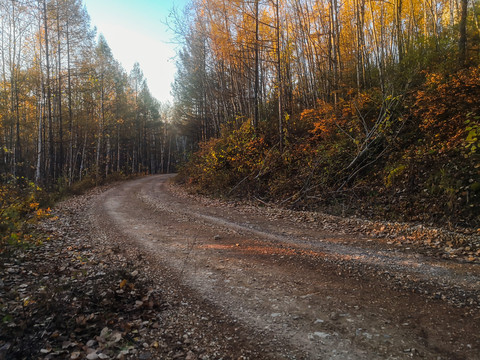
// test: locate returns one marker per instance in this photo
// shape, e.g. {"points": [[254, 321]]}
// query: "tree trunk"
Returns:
{"points": [[51, 153], [70, 110], [100, 129], [255, 119], [107, 157], [398, 28], [59, 100], [118, 147], [279, 78], [169, 154], [38, 169], [82, 159], [462, 43], [14, 95]]}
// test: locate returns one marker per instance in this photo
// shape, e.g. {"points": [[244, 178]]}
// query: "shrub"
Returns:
{"points": [[20, 208]]}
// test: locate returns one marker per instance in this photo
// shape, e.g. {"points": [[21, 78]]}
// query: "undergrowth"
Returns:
{"points": [[414, 157], [23, 204]]}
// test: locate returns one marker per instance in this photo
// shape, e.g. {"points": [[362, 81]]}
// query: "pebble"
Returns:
{"points": [[334, 316], [91, 343], [319, 334], [191, 356]]}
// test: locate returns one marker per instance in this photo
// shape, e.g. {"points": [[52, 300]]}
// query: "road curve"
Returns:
{"points": [[314, 294]]}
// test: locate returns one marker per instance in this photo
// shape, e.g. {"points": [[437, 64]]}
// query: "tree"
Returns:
{"points": [[462, 42], [51, 153], [67, 108]]}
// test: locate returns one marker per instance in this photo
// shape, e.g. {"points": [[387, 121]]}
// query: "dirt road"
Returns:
{"points": [[291, 288]]}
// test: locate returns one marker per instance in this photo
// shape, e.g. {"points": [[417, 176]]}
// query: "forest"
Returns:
{"points": [[70, 116], [357, 107], [361, 107], [68, 110]]}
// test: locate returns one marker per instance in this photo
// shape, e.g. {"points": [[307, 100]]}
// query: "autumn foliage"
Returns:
{"points": [[449, 108], [422, 163], [364, 107], [20, 209], [220, 163]]}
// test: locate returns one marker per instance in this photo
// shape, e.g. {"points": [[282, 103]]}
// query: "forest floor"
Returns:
{"points": [[142, 270]]}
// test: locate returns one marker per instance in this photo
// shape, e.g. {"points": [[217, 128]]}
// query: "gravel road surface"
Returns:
{"points": [[284, 286]]}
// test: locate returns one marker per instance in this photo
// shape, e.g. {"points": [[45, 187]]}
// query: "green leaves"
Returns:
{"points": [[472, 141]]}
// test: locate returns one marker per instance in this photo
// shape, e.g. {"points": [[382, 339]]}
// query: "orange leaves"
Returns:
{"points": [[329, 121], [34, 205], [323, 119], [122, 283], [43, 213], [444, 105]]}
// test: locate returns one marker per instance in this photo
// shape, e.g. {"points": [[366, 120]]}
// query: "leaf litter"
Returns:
{"points": [[68, 299], [74, 297]]}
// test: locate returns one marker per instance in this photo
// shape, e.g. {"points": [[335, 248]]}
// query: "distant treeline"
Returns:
{"points": [[67, 108]]}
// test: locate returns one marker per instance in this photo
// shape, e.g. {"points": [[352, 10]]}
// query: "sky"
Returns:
{"points": [[136, 31]]}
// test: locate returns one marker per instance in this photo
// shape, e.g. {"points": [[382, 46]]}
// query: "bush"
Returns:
{"points": [[20, 208], [221, 163]]}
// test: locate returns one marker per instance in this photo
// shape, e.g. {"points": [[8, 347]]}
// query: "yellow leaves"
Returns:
{"points": [[28, 301], [126, 284], [123, 283], [20, 209], [393, 174], [472, 141], [220, 161]]}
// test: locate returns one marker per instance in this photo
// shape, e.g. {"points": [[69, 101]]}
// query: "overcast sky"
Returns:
{"points": [[135, 31]]}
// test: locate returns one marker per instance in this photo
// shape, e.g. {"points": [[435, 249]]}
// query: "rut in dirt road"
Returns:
{"points": [[315, 294]]}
